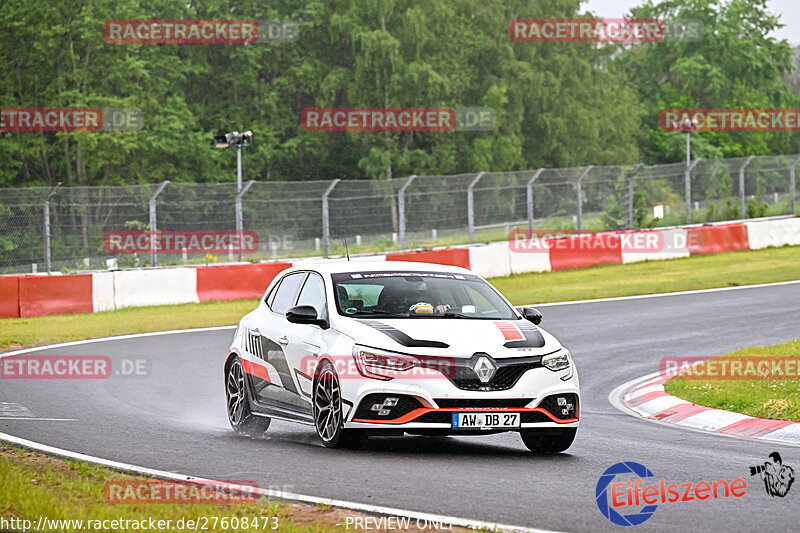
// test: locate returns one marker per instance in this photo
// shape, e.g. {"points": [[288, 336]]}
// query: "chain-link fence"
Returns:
{"points": [[63, 228]]}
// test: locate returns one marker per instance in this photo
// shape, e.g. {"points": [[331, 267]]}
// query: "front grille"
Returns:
{"points": [[405, 404], [550, 404], [445, 403], [463, 376], [529, 417], [436, 417]]}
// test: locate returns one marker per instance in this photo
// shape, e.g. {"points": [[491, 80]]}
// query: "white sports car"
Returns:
{"points": [[358, 349]]}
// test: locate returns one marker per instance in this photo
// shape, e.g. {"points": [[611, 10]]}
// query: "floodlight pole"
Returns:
{"points": [[50, 194], [529, 200], [401, 210], [239, 167]]}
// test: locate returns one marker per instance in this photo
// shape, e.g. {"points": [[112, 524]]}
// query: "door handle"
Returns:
{"points": [[284, 340]]}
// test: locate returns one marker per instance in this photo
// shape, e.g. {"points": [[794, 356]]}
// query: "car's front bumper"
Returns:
{"points": [[439, 398]]}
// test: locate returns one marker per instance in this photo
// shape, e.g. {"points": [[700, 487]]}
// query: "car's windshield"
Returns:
{"points": [[406, 294]]}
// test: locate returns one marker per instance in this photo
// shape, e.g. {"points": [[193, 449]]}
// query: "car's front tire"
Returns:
{"points": [[240, 416], [327, 411], [548, 441]]}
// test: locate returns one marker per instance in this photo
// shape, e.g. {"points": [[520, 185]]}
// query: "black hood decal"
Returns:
{"points": [[533, 337], [403, 339]]}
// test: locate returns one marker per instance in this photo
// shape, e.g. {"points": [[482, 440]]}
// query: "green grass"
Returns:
{"points": [[701, 272], [36, 485], [17, 332], [778, 399]]}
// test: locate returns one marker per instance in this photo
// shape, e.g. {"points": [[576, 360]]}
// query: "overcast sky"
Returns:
{"points": [[789, 11]]}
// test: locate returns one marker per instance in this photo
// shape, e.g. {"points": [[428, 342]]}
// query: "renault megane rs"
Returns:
{"points": [[361, 349]]}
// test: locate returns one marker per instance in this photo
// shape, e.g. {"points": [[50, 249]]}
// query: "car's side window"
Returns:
{"points": [[286, 292], [313, 293], [271, 295]]}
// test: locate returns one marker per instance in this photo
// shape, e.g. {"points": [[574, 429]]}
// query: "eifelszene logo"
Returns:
{"points": [[631, 494], [778, 477]]}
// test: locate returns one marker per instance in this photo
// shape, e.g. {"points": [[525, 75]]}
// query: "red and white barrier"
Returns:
{"points": [[649, 400], [34, 295]]}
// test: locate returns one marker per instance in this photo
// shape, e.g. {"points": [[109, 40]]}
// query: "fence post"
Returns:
{"points": [[238, 207], [742, 201], [50, 194], [471, 207], [326, 227], [687, 186], [401, 209], [633, 172], [792, 185], [580, 196], [529, 200], [153, 254]]}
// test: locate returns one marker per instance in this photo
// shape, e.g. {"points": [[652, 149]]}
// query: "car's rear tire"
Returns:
{"points": [[240, 416], [327, 411], [548, 441]]}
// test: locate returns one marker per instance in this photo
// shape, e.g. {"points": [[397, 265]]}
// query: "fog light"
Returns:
{"points": [[383, 412], [561, 401], [390, 402], [376, 407]]}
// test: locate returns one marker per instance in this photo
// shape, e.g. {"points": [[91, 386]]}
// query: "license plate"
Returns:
{"points": [[485, 420]]}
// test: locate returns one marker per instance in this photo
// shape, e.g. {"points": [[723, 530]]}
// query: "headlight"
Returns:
{"points": [[556, 361], [378, 364]]}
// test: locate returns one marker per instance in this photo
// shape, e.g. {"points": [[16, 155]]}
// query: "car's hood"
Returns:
{"points": [[451, 336]]}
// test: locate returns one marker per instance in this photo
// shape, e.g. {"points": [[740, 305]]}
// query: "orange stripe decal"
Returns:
{"points": [[416, 413]]}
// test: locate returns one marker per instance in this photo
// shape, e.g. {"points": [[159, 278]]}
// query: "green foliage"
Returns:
{"points": [[555, 105], [735, 64]]}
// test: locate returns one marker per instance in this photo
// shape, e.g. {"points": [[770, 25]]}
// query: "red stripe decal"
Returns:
{"points": [[510, 331], [255, 370]]}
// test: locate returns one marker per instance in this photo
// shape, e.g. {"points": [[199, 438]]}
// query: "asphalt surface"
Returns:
{"points": [[174, 419]]}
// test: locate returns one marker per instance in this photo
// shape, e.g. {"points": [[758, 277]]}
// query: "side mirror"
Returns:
{"points": [[532, 314], [305, 314]]}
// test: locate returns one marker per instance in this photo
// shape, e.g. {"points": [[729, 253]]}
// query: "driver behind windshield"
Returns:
{"points": [[419, 299]]}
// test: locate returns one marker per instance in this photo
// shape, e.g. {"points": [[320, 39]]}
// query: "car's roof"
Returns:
{"points": [[344, 266]]}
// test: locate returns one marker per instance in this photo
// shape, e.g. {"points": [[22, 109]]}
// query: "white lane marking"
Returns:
{"points": [[713, 419], [644, 390], [657, 405], [115, 338], [663, 294], [38, 418], [463, 522], [790, 433]]}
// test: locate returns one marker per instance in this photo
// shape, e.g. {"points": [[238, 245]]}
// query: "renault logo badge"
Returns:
{"points": [[484, 368]]}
